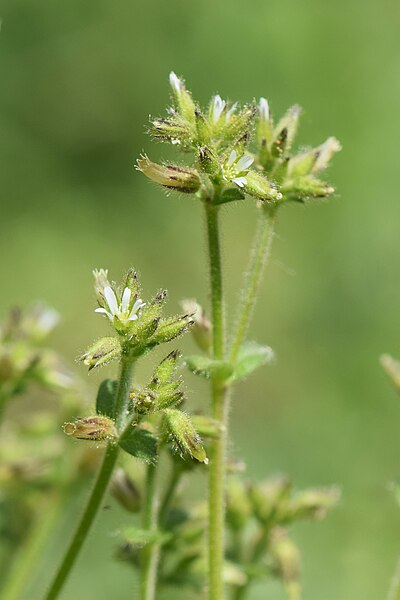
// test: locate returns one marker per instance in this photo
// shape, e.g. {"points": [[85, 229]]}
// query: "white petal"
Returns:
{"points": [[104, 311], [240, 181], [232, 158], [244, 162], [263, 107], [111, 299], [132, 317], [126, 297], [175, 82], [135, 308], [218, 107], [231, 111]]}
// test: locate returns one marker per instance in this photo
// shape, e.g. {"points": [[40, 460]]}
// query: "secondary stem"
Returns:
{"points": [[259, 256], [150, 553], [100, 486], [219, 404]]}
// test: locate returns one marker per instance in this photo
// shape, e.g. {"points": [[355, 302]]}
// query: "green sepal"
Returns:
{"points": [[208, 367], [144, 537], [230, 195], [251, 356], [105, 399], [139, 442]]}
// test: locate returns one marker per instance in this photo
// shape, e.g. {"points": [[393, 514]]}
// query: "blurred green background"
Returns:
{"points": [[79, 79]]}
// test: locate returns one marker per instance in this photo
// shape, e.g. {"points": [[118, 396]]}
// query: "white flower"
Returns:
{"points": [[124, 311], [235, 168], [175, 82], [217, 108], [263, 108]]}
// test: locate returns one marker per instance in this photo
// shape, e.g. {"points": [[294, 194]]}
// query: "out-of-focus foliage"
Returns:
{"points": [[79, 81]]}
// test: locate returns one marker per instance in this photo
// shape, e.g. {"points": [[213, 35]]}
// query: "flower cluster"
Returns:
{"points": [[140, 325], [230, 161]]}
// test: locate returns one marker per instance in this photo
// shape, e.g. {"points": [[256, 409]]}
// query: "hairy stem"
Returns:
{"points": [[175, 477], [100, 486], [219, 405], [150, 552], [259, 256]]}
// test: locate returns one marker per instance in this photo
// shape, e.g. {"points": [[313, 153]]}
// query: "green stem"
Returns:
{"points": [[219, 406], [150, 552], [176, 475], [259, 256], [100, 486]]}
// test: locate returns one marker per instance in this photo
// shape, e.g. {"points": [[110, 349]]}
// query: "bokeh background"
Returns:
{"points": [[78, 81]]}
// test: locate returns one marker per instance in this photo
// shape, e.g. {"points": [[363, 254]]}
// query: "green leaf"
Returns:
{"points": [[250, 357], [207, 367], [139, 442], [106, 398], [230, 195], [144, 537]]}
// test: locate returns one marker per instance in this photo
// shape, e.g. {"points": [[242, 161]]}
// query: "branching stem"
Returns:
{"points": [[101, 483], [258, 259]]}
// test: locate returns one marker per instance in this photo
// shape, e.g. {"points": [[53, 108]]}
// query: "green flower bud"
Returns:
{"points": [[204, 132], [183, 99], [125, 491], [307, 186], [259, 187], [102, 352], [238, 125], [202, 328], [174, 177], [264, 132], [100, 283], [270, 499], [208, 162], [171, 130], [392, 369], [171, 328], [238, 505], [314, 160], [286, 130], [97, 428], [313, 504], [179, 428], [287, 561]]}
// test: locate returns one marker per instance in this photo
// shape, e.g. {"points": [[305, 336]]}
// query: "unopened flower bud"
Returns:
{"points": [[392, 369], [259, 187], [181, 179], [183, 98], [270, 498], [209, 162], [100, 283], [202, 328], [286, 557], [307, 186], [171, 328], [102, 352], [95, 428], [313, 504], [264, 132], [180, 429], [124, 490], [171, 130], [238, 506], [325, 154], [286, 130]]}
